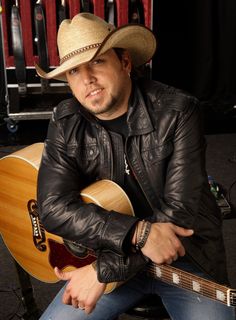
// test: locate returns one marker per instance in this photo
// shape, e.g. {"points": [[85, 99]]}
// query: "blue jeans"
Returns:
{"points": [[180, 304]]}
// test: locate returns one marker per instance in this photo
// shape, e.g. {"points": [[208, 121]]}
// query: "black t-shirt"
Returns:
{"points": [[131, 187]]}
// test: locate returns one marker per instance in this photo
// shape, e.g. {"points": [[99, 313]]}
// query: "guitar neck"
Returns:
{"points": [[193, 283]]}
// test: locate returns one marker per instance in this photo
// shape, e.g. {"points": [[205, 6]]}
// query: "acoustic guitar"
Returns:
{"points": [[38, 251]]}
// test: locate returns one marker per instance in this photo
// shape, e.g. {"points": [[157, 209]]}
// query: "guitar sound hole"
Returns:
{"points": [[76, 248]]}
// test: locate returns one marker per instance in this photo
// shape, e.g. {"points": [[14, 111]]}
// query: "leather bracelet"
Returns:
{"points": [[146, 228]]}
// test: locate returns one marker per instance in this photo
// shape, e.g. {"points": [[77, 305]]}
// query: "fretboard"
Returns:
{"points": [[193, 283]]}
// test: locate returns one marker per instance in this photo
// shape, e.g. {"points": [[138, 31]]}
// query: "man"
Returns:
{"points": [[146, 137]]}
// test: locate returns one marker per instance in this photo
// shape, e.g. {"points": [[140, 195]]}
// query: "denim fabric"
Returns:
{"points": [[180, 304]]}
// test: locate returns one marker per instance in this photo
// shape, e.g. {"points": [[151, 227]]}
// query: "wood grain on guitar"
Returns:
{"points": [[38, 251]]}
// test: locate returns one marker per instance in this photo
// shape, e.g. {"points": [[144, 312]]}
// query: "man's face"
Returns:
{"points": [[103, 85]]}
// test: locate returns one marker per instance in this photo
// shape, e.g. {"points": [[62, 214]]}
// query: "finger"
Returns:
{"points": [[181, 251], [93, 298], [175, 257], [89, 308], [171, 255], [61, 274], [176, 248], [169, 261], [81, 306], [66, 298], [74, 303], [183, 232]]}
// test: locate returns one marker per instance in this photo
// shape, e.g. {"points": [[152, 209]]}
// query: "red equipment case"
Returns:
{"points": [[34, 103]]}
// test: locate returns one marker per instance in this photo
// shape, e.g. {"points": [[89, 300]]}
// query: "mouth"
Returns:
{"points": [[94, 93]]}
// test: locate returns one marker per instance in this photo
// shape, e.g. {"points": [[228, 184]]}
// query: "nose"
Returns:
{"points": [[87, 75]]}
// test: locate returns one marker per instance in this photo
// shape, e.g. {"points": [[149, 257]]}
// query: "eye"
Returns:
{"points": [[73, 71], [97, 61]]}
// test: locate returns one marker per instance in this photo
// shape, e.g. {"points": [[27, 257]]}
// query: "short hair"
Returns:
{"points": [[136, 73], [119, 52]]}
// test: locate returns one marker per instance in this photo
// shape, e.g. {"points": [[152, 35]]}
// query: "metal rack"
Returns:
{"points": [[34, 102]]}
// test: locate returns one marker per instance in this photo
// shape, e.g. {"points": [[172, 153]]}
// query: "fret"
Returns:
{"points": [[231, 297], [196, 286], [176, 278], [188, 281]]}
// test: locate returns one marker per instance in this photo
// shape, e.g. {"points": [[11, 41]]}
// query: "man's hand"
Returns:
{"points": [[163, 244], [83, 289]]}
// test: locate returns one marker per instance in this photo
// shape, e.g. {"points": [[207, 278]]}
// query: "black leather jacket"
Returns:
{"points": [[165, 150]]}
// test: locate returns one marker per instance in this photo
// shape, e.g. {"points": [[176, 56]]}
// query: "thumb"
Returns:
{"points": [[183, 232], [61, 274]]}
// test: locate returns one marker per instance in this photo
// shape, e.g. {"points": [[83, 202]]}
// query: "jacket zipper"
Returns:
{"points": [[135, 176]]}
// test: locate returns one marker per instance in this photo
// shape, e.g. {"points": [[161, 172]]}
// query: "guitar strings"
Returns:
{"points": [[168, 270], [187, 279], [185, 276], [203, 291]]}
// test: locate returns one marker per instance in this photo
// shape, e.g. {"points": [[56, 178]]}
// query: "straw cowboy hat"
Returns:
{"points": [[86, 36]]}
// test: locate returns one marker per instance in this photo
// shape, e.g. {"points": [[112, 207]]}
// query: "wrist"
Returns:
{"points": [[134, 238], [141, 234], [94, 265]]}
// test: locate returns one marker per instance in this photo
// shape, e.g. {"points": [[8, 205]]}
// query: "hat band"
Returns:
{"points": [[77, 51]]}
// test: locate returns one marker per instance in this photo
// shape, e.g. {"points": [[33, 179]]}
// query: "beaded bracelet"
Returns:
{"points": [[144, 233]]}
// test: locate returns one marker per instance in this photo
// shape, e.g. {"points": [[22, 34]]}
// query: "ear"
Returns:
{"points": [[126, 61]]}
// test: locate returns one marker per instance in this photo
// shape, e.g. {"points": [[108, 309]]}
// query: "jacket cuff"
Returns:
{"points": [[116, 232], [115, 268]]}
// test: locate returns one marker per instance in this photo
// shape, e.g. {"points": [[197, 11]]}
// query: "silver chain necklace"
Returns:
{"points": [[127, 170]]}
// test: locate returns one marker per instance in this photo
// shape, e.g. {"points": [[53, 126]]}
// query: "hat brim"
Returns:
{"points": [[137, 39]]}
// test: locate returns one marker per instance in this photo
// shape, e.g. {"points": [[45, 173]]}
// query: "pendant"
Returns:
{"points": [[127, 170]]}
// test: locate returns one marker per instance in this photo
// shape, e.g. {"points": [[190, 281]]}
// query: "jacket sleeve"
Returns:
{"points": [[61, 209], [186, 177], [112, 267]]}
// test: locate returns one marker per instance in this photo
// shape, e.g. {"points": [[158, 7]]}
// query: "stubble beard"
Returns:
{"points": [[107, 109]]}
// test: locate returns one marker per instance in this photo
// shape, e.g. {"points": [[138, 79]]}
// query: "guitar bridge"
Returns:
{"points": [[38, 231]]}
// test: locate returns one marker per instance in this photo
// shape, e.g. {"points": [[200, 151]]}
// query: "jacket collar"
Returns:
{"points": [[138, 118]]}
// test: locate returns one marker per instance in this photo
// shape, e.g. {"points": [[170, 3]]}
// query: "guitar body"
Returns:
{"points": [[18, 176], [36, 250]]}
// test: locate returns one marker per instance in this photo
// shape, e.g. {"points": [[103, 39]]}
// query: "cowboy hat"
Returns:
{"points": [[86, 36]]}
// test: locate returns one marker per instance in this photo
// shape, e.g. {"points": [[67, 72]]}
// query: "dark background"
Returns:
{"points": [[197, 47], [196, 52]]}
